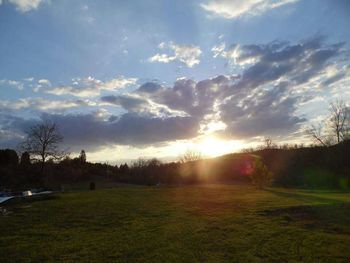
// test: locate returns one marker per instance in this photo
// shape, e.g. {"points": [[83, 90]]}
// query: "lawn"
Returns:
{"points": [[212, 223]]}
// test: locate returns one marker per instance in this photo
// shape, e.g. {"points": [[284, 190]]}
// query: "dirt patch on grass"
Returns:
{"points": [[328, 218], [305, 212]]}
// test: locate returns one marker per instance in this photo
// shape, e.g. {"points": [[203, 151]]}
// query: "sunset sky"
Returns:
{"points": [[129, 79]]}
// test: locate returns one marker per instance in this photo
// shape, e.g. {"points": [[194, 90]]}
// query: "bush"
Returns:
{"points": [[260, 175]]}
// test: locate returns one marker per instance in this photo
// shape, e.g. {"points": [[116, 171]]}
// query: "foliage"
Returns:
{"points": [[8, 157], [260, 175], [292, 166], [82, 157], [25, 159]]}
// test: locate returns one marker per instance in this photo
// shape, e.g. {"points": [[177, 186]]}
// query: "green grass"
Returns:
{"points": [[215, 223]]}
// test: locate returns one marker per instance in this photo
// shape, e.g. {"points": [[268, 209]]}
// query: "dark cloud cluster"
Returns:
{"points": [[90, 130]]}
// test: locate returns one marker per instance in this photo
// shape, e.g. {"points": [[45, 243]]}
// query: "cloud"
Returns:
{"points": [[266, 113], [139, 104], [29, 79], [26, 5], [218, 50], [12, 83], [74, 91], [265, 97], [43, 104], [274, 80], [90, 87], [232, 9], [187, 54], [89, 131], [129, 103], [128, 129], [45, 82]]}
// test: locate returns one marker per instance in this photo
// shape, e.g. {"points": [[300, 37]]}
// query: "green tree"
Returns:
{"points": [[260, 176]]}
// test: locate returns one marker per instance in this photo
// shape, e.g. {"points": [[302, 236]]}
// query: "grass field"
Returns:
{"points": [[214, 223]]}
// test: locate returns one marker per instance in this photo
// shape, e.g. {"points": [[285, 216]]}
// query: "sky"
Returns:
{"points": [[147, 78]]}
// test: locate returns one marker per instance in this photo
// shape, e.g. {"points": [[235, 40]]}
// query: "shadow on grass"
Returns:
{"points": [[329, 215], [309, 196]]}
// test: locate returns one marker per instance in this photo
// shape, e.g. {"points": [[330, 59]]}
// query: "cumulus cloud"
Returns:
{"points": [[89, 87], [26, 5], [141, 105], [187, 54], [129, 103], [274, 80], [277, 78], [232, 9]]}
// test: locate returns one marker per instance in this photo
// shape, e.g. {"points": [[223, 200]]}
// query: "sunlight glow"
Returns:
{"points": [[211, 146]]}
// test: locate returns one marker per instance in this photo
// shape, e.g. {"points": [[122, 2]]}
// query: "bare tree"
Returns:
{"points": [[190, 156], [334, 130], [316, 132], [268, 143], [338, 119], [42, 142]]}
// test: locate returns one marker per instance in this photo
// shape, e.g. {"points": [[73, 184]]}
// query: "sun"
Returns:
{"points": [[211, 146]]}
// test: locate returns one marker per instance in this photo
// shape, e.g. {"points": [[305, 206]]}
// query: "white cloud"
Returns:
{"points": [[13, 83], [44, 104], [187, 54], [161, 45], [45, 82], [232, 9], [26, 5], [236, 55], [163, 58], [218, 50], [89, 87], [30, 79]]}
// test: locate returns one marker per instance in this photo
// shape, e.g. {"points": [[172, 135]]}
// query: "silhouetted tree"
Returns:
{"points": [[82, 157], [339, 120], [25, 159], [190, 156], [268, 144], [8, 157], [316, 133], [335, 129], [42, 142]]}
